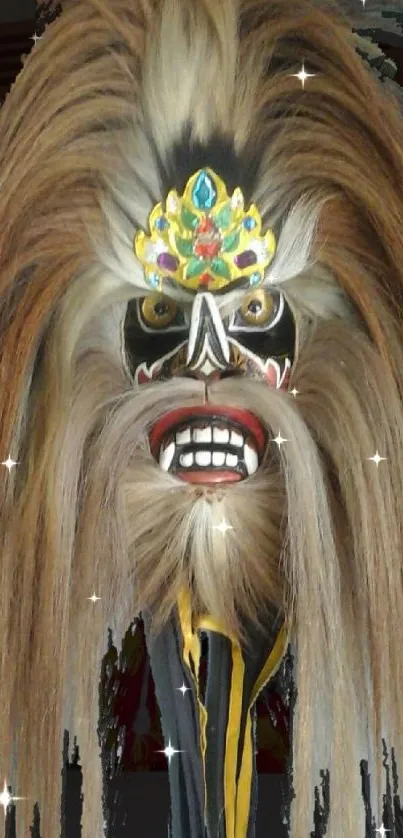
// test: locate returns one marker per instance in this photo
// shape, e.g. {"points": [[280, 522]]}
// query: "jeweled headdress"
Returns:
{"points": [[204, 238]]}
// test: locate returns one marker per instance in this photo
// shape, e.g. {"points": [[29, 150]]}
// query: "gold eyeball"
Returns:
{"points": [[257, 308], [158, 311]]}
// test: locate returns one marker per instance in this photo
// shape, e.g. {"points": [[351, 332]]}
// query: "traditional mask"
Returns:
{"points": [[205, 245]]}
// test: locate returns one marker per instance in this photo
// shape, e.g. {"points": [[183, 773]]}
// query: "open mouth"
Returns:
{"points": [[209, 445]]}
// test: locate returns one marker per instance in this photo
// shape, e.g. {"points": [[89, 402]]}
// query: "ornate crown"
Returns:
{"points": [[204, 238]]}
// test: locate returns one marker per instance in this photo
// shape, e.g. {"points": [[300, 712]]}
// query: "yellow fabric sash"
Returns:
{"points": [[236, 794]]}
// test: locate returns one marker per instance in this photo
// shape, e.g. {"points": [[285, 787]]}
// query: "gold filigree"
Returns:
{"points": [[205, 239]]}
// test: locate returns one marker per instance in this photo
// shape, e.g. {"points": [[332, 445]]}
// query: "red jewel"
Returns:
{"points": [[205, 279], [207, 240]]}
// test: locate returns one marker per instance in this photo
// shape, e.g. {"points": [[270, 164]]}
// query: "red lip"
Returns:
{"points": [[174, 417]]}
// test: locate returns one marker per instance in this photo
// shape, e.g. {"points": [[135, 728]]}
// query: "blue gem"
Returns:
{"points": [[161, 223], [254, 278], [153, 280], [249, 223], [204, 194]]}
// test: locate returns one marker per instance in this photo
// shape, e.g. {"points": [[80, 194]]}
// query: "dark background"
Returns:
{"points": [[140, 799]]}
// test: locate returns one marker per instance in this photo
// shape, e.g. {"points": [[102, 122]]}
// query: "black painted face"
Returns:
{"points": [[165, 339]]}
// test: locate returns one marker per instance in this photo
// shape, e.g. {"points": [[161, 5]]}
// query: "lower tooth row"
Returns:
{"points": [[205, 458], [208, 458]]}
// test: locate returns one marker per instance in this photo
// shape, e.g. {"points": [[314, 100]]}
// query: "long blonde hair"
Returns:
{"points": [[84, 135]]}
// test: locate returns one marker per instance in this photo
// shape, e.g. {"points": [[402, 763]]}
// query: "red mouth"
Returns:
{"points": [[208, 444]]}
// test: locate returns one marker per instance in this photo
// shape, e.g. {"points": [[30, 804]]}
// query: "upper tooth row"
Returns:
{"points": [[209, 435]]}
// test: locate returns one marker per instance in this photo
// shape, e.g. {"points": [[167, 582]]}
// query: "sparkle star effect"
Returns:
{"points": [[169, 752], [183, 689], [94, 597], [36, 38], [382, 831], [9, 463], [223, 527], [279, 439], [294, 392], [6, 798], [302, 75], [376, 458]]}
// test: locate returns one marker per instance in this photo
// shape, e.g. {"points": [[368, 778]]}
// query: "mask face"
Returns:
{"points": [[165, 339], [202, 246]]}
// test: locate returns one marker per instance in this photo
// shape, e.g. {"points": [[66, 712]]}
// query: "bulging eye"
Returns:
{"points": [[158, 311], [258, 308]]}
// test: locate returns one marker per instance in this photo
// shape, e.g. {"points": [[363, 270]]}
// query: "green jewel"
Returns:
{"points": [[189, 219], [223, 217], [195, 267], [184, 247], [220, 268], [230, 242]]}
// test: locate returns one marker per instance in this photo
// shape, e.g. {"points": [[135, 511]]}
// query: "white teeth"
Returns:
{"points": [[220, 435], [183, 437], [218, 458], [202, 435], [203, 458], [186, 460], [251, 459], [167, 456], [236, 439]]}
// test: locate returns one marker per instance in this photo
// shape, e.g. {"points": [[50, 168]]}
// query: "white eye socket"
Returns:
{"points": [[158, 311], [258, 308]]}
